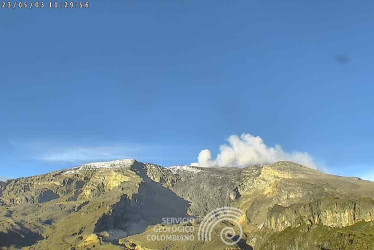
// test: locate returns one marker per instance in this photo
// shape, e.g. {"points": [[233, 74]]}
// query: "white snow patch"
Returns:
{"points": [[71, 171], [175, 169], [124, 163]]}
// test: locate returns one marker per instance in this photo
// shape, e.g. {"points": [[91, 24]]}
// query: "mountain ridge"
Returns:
{"points": [[128, 161], [106, 205]]}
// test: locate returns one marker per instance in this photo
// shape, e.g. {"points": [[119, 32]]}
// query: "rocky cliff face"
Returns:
{"points": [[212, 188], [115, 204], [332, 212]]}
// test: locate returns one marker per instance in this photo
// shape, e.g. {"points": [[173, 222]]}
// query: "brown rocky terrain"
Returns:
{"points": [[117, 204]]}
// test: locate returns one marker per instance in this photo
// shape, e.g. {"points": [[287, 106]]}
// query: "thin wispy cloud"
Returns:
{"points": [[76, 153], [79, 154], [247, 149]]}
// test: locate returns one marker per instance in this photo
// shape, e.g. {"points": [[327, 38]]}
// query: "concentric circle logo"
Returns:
{"points": [[231, 234]]}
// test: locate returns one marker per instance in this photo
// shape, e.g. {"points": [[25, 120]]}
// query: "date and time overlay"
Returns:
{"points": [[45, 4]]}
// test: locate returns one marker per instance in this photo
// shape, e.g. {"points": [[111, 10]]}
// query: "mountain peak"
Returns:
{"points": [[123, 163], [110, 164]]}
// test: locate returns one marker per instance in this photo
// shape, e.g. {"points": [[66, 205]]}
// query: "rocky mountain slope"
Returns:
{"points": [[116, 205]]}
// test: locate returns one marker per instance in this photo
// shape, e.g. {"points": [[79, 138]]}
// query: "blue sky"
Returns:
{"points": [[161, 80]]}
